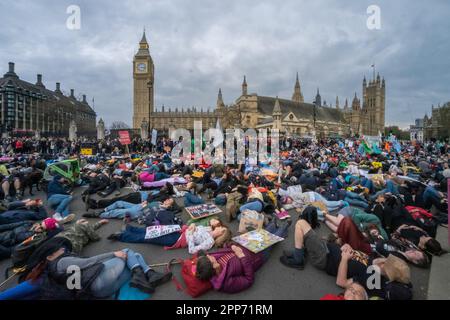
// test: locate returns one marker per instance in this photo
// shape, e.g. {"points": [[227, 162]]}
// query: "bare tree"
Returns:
{"points": [[119, 125]]}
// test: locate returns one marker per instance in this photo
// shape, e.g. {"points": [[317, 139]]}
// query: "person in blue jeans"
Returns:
{"points": [[354, 199], [431, 196], [137, 235], [28, 210], [120, 209], [58, 197], [390, 187], [118, 268]]}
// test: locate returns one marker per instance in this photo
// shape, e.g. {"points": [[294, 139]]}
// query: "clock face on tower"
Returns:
{"points": [[141, 67]]}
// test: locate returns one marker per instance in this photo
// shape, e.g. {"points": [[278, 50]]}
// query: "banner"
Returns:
{"points": [[154, 136], [86, 151], [202, 211], [153, 232], [124, 137]]}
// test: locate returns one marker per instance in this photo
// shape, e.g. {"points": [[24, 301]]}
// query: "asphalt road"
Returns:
{"points": [[272, 281]]}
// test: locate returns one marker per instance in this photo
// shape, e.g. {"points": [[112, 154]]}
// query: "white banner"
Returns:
{"points": [[154, 136], [159, 231]]}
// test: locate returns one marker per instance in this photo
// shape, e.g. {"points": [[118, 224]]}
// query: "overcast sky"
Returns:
{"points": [[200, 45]]}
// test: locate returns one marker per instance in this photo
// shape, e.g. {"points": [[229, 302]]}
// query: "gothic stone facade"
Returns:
{"points": [[30, 107], [438, 126], [292, 116]]}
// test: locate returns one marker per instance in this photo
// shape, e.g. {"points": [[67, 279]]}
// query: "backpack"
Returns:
{"points": [[194, 286], [423, 219], [398, 291], [23, 251]]}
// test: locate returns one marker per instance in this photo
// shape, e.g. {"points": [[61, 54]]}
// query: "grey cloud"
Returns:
{"points": [[199, 46]]}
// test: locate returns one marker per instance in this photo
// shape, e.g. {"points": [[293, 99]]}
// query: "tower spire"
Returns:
{"points": [[219, 99], [297, 96], [244, 86], [143, 44]]}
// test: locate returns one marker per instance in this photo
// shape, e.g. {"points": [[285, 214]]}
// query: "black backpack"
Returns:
{"points": [[398, 291], [23, 251]]}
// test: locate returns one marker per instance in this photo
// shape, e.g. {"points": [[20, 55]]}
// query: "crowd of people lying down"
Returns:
{"points": [[382, 211]]}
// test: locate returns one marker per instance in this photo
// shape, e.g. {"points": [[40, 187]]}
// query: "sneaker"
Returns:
{"points": [[289, 262], [68, 219], [57, 216]]}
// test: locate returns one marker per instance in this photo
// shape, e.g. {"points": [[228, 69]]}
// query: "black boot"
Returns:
{"points": [[92, 214], [139, 281], [86, 201], [115, 236], [156, 279]]}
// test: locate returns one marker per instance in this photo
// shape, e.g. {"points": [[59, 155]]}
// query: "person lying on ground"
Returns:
{"points": [[29, 210], [348, 232], [59, 197], [133, 197], [103, 275], [82, 233], [122, 209], [195, 238], [232, 269], [20, 232], [327, 257]]}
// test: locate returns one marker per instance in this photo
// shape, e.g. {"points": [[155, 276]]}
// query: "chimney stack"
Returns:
{"points": [[39, 78], [58, 87], [84, 98], [72, 93], [11, 72]]}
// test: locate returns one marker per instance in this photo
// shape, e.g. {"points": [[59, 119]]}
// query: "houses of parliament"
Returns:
{"points": [[250, 110]]}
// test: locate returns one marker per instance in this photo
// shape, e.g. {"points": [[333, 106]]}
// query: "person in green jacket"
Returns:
{"points": [[360, 218]]}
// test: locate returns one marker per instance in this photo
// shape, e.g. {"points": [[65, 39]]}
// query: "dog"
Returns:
{"points": [[31, 179]]}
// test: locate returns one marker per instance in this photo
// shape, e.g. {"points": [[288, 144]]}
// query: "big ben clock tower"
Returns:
{"points": [[143, 81]]}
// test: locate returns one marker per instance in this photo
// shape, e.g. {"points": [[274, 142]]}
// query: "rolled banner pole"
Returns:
{"points": [[163, 264]]}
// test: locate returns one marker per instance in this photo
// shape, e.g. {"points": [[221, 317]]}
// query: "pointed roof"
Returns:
{"points": [[276, 109], [144, 38], [143, 46], [219, 99], [244, 83], [297, 82]]}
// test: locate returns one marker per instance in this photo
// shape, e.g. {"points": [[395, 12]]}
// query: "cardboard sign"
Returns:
{"points": [[257, 240], [124, 137], [251, 219], [86, 151], [202, 211], [153, 232]]}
